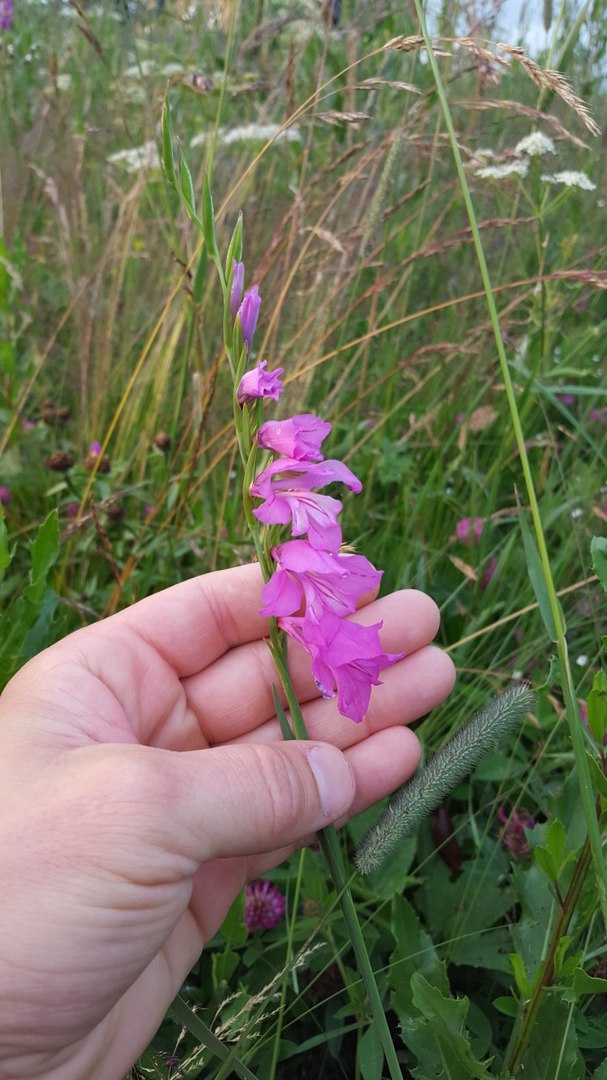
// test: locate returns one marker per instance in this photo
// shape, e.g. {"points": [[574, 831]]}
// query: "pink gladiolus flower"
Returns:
{"points": [[248, 313], [298, 437], [327, 582], [259, 383], [346, 656], [303, 476], [264, 906], [309, 513], [469, 530], [237, 287]]}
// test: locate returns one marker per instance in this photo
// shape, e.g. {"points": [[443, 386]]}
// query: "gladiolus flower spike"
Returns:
{"points": [[311, 575]]}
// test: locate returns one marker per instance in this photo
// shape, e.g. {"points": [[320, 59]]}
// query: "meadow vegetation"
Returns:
{"points": [[119, 468]]}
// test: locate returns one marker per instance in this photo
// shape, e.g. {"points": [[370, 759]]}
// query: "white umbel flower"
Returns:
{"points": [[535, 144], [571, 178], [137, 158], [249, 133], [500, 172]]}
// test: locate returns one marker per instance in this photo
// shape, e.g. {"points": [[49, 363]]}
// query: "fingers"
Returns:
{"points": [[233, 698], [191, 624]]}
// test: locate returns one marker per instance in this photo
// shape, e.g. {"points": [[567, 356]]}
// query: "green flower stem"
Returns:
{"points": [[575, 727], [545, 976]]}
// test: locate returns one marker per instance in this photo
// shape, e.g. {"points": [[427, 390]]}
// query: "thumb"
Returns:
{"points": [[246, 799]]}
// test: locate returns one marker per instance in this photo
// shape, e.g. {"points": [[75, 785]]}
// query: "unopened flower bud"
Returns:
{"points": [[248, 313], [236, 290], [60, 461], [162, 441]]}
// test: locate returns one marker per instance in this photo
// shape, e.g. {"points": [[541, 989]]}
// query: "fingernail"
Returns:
{"points": [[334, 779]]}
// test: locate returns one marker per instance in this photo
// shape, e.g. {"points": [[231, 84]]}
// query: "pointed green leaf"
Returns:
{"points": [[370, 1055], [235, 247], [282, 718], [598, 551], [168, 159], [187, 187], [536, 577], [208, 219], [597, 706]]}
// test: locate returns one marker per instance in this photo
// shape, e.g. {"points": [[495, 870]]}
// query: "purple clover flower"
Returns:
{"points": [[259, 383], [512, 832], [6, 14], [6, 495], [470, 530], [345, 655], [95, 448], [298, 437], [237, 287], [264, 906], [248, 313]]}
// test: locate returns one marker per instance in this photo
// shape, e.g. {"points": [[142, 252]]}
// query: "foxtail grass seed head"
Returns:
{"points": [[444, 771]]}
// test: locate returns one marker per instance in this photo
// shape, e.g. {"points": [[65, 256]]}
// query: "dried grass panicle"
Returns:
{"points": [[547, 79], [444, 771], [483, 104]]}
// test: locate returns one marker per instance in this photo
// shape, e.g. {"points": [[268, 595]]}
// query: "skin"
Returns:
{"points": [[144, 782]]}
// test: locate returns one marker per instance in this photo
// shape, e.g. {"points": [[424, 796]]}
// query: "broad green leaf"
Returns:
{"points": [[223, 966], [414, 952], [520, 975], [598, 551], [45, 548], [555, 841], [599, 780], [439, 1038], [536, 577], [583, 983], [552, 1053]]}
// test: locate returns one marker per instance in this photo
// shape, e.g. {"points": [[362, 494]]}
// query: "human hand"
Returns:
{"points": [[144, 781]]}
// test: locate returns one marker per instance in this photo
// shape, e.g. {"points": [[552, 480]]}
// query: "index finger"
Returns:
{"points": [[193, 623]]}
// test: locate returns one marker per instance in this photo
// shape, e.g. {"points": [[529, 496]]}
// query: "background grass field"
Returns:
{"points": [[333, 144]]}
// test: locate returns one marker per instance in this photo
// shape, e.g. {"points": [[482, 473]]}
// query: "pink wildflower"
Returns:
{"points": [[298, 437], [290, 498], [327, 582], [346, 656], [237, 287], [470, 530], [95, 449], [6, 495], [598, 416], [512, 832], [264, 906], [259, 383], [248, 313]]}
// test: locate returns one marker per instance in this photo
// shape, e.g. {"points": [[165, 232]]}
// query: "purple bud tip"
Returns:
{"points": [[248, 313]]}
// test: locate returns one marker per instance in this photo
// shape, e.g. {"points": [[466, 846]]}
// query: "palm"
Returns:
{"points": [[187, 670]]}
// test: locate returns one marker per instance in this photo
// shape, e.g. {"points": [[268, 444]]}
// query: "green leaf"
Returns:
{"points": [[439, 1038], [223, 966], [282, 717], [208, 219], [168, 159], [5, 555], [599, 780], [370, 1055], [520, 975], [598, 551], [44, 549], [552, 1053], [583, 983], [597, 706], [555, 841], [506, 1005], [536, 577], [235, 247], [187, 189]]}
